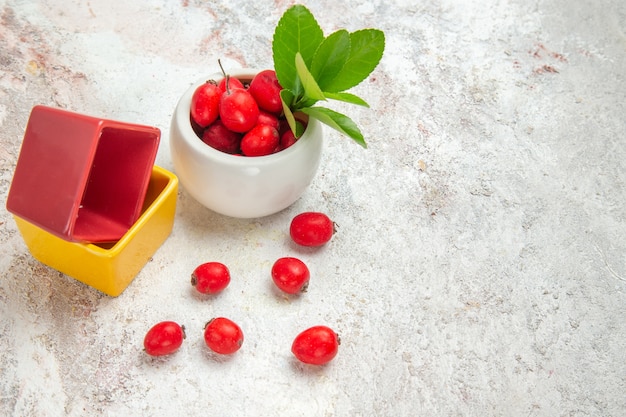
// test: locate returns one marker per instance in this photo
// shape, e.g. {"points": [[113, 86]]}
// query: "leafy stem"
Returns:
{"points": [[313, 68]]}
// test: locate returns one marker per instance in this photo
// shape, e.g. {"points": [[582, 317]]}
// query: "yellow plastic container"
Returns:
{"points": [[110, 267]]}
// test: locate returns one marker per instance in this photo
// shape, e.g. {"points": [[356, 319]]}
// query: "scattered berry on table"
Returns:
{"points": [[291, 275], [311, 229], [317, 345], [210, 277], [223, 336], [164, 338]]}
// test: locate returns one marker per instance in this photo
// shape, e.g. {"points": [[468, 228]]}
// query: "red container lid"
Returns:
{"points": [[82, 178]]}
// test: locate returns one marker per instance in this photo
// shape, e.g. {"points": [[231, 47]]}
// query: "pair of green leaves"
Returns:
{"points": [[313, 68]]}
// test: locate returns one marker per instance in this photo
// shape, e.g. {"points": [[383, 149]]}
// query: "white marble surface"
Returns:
{"points": [[479, 268]]}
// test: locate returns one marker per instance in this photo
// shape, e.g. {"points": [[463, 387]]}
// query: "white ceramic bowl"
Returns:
{"points": [[241, 186]]}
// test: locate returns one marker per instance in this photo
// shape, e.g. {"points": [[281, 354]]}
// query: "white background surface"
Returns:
{"points": [[479, 266]]}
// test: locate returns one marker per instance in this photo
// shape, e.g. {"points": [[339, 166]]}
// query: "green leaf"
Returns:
{"points": [[330, 57], [312, 68], [338, 122], [306, 103], [296, 31], [311, 89], [287, 96], [347, 97], [366, 51], [299, 129]]}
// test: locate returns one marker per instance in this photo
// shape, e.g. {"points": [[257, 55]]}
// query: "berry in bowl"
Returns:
{"points": [[248, 144], [234, 153]]}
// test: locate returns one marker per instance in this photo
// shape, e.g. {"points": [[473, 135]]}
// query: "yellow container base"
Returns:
{"points": [[110, 268]]}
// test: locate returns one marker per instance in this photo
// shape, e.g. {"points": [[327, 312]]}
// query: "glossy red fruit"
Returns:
{"points": [[205, 103], [223, 336], [210, 277], [221, 138], [284, 126], [261, 140], [287, 139], [311, 229], [233, 83], [266, 118], [291, 275], [164, 338], [198, 130], [238, 110], [317, 345], [265, 89]]}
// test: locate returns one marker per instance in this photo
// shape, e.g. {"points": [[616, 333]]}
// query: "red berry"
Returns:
{"points": [[238, 110], [223, 336], [261, 140], [233, 83], [317, 345], [291, 275], [284, 126], [265, 89], [164, 338], [311, 229], [269, 119], [221, 138], [287, 139], [198, 130], [205, 104], [210, 277]]}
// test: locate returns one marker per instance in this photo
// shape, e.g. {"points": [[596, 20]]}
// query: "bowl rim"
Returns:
{"points": [[189, 136]]}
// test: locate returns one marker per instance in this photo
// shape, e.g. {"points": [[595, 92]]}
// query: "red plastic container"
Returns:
{"points": [[82, 178]]}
